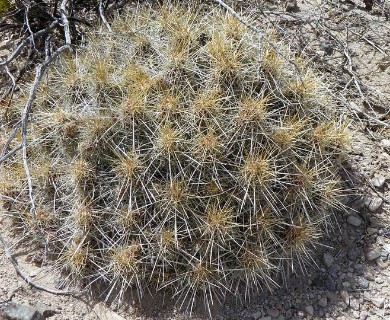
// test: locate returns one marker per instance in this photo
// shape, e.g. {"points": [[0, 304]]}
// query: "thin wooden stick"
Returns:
{"points": [[27, 279], [101, 12], [65, 21], [25, 115]]}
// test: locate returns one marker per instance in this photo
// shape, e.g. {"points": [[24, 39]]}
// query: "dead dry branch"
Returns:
{"points": [[28, 279]]}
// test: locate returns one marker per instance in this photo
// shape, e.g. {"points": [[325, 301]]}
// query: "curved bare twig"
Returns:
{"points": [[101, 12], [27, 279]]}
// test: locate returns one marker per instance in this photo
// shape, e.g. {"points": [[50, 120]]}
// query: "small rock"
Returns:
{"points": [[354, 304], [378, 302], [375, 204], [373, 254], [327, 47], [280, 317], [379, 280], [273, 312], [366, 200], [33, 273], [353, 253], [372, 231], [45, 310], [354, 220], [385, 143], [346, 284], [377, 222], [320, 53], [266, 318], [384, 255], [330, 284], [323, 302], [381, 240], [292, 6], [328, 259], [378, 181], [256, 315], [309, 310], [105, 313], [358, 267], [369, 276], [333, 270], [279, 305], [356, 314], [14, 311], [382, 264], [363, 283], [345, 296], [363, 315], [386, 247]]}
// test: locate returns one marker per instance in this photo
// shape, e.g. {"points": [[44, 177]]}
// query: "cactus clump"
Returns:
{"points": [[174, 153]]}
